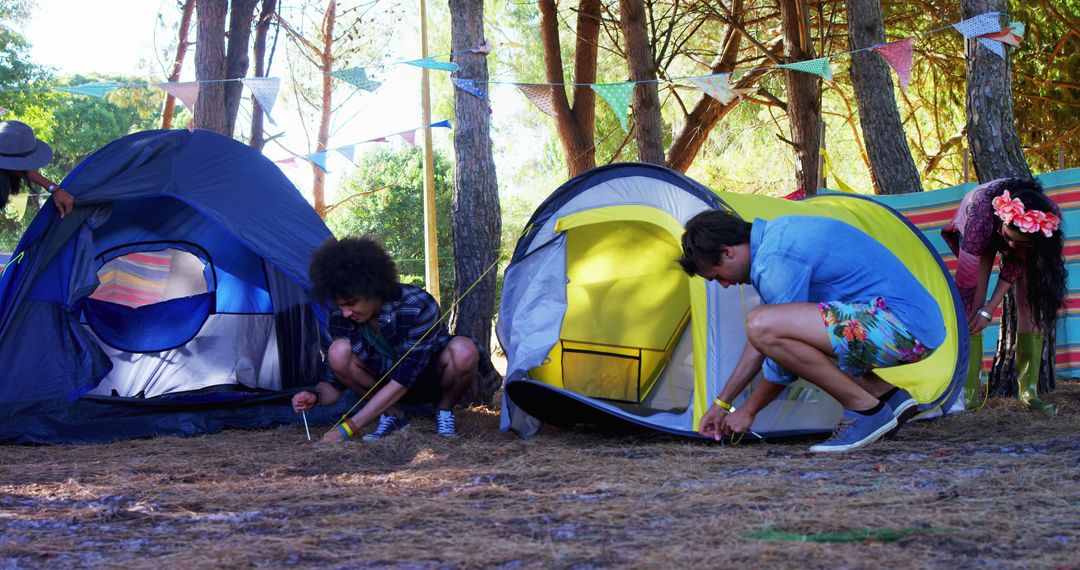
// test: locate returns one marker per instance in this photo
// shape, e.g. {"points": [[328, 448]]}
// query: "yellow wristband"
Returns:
{"points": [[345, 427], [723, 405]]}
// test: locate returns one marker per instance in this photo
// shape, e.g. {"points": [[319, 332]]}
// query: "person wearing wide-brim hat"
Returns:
{"points": [[21, 155]]}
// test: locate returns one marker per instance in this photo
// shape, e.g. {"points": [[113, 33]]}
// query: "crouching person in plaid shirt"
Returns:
{"points": [[385, 333]]}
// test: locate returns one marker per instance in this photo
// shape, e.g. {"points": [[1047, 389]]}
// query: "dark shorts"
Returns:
{"points": [[427, 389]]}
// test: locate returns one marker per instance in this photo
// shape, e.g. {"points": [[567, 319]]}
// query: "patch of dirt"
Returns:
{"points": [[999, 488]]}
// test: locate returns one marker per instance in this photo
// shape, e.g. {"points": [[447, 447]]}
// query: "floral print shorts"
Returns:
{"points": [[866, 336]]}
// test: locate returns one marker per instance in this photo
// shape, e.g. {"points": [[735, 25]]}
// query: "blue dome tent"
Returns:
{"points": [[172, 300]]}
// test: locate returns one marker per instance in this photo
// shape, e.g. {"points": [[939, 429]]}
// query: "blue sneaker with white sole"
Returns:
{"points": [[903, 407], [388, 424], [856, 430]]}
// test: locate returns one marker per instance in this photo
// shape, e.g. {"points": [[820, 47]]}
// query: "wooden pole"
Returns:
{"points": [[967, 166], [431, 243]]}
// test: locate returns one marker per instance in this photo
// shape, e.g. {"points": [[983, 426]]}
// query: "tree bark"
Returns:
{"points": [[991, 126], [169, 109], [649, 131], [477, 224], [575, 125], [322, 139], [803, 93], [219, 100], [892, 167], [262, 27], [996, 153], [241, 13], [210, 66]]}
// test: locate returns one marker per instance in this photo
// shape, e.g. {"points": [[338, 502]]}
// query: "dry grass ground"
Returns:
{"points": [[997, 488]]}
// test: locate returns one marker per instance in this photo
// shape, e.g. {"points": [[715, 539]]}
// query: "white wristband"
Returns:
{"points": [[984, 315]]}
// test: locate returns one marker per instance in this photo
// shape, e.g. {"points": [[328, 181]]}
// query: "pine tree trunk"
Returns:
{"points": [[169, 110], [649, 131], [215, 60], [803, 94], [210, 65], [266, 13], [891, 165], [575, 125], [477, 223], [996, 153]]}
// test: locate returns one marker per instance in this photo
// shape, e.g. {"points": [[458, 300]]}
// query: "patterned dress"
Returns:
{"points": [[973, 233]]}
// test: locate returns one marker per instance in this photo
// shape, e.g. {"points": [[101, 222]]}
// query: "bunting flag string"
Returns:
{"points": [[348, 151], [357, 76], [265, 90], [986, 28], [819, 66], [980, 25], [468, 86], [717, 86], [320, 158], [898, 55], [187, 93], [996, 41], [98, 90], [432, 63], [617, 96], [541, 95]]}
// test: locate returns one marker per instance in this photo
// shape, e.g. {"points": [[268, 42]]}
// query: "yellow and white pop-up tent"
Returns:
{"points": [[601, 326]]}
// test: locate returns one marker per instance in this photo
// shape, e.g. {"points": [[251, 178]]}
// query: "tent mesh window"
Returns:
{"points": [[148, 277]]}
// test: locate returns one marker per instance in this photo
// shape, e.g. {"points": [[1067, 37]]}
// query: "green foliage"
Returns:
{"points": [[384, 198], [81, 124]]}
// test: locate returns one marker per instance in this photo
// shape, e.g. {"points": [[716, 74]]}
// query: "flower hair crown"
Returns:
{"points": [[1011, 210]]}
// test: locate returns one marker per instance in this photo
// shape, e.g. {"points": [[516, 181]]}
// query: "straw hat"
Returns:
{"points": [[20, 149]]}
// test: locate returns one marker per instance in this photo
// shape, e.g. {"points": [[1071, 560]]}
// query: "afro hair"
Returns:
{"points": [[353, 268]]}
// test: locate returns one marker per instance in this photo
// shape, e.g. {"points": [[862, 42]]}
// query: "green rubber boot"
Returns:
{"points": [[973, 390], [1028, 357]]}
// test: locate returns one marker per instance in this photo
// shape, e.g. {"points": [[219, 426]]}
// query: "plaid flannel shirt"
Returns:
{"points": [[403, 322]]}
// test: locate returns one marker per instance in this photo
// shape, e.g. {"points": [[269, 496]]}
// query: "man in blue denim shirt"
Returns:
{"points": [[383, 330], [836, 305]]}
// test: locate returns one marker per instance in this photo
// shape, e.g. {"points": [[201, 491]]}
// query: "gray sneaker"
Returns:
{"points": [[388, 424]]}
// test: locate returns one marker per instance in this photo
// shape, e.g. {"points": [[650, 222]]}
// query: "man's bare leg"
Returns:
{"points": [[794, 335]]}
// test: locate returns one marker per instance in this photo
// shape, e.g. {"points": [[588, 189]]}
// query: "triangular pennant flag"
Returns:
{"points": [[796, 195], [290, 162], [319, 159], [717, 86], [540, 95], [617, 96], [380, 139], [187, 93], [819, 66], [92, 89], [980, 25], [898, 55], [358, 77], [468, 86], [265, 90], [1012, 35], [409, 136], [348, 151], [430, 63], [997, 48], [445, 124]]}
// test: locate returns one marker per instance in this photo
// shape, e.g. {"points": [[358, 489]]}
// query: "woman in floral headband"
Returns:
{"points": [[1014, 218]]}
